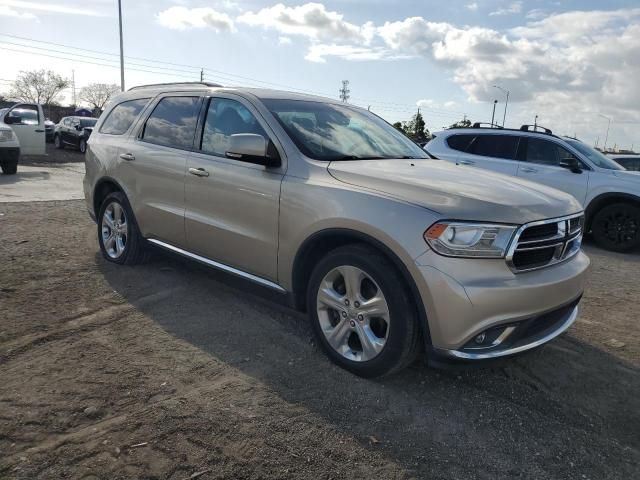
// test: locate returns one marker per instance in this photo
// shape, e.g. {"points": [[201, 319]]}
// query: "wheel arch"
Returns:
{"points": [[604, 199], [320, 243], [104, 187]]}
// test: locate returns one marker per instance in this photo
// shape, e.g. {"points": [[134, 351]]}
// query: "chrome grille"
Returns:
{"points": [[545, 243]]}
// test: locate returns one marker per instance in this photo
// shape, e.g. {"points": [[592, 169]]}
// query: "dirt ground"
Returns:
{"points": [[171, 371]]}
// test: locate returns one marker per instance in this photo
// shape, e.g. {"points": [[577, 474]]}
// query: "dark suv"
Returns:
{"points": [[74, 131]]}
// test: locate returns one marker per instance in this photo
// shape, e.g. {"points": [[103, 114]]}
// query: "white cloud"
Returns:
{"points": [[47, 7], [310, 20], [284, 41], [472, 6], [6, 11], [318, 52], [182, 18], [511, 9]]}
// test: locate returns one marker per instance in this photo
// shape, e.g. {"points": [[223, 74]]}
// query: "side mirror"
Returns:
{"points": [[253, 148], [78, 127], [13, 120], [572, 164]]}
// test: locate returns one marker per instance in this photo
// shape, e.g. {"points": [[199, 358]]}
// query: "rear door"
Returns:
{"points": [[492, 152], [29, 127], [153, 163], [541, 163]]}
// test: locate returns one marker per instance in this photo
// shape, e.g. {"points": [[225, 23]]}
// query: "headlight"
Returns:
{"points": [[459, 239], [6, 135]]}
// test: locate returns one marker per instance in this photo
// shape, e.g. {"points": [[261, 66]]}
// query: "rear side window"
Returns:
{"points": [[460, 142], [497, 146], [546, 153], [172, 123], [122, 116]]}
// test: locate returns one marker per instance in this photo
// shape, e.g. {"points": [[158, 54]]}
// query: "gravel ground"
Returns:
{"points": [[168, 370]]}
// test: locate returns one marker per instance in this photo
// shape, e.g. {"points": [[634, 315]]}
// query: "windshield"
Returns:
{"points": [[88, 122], [597, 158], [325, 131]]}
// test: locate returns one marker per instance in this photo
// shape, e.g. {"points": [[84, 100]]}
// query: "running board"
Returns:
{"points": [[220, 266]]}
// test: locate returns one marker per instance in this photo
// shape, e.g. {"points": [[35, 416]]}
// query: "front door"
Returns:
{"points": [[28, 127], [232, 206], [542, 164]]}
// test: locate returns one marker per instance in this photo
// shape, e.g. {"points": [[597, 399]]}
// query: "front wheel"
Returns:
{"points": [[118, 234], [361, 312], [9, 168], [83, 145], [57, 142], [617, 227]]}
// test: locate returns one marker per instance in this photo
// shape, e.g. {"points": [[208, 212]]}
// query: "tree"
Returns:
{"points": [[98, 94], [465, 123], [416, 129], [38, 86]]}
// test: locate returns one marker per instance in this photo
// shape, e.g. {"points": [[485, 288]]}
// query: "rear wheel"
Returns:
{"points": [[57, 142], [361, 312], [118, 233], [9, 168], [617, 227]]}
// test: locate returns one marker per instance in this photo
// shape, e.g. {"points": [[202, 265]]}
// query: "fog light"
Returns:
{"points": [[480, 338]]}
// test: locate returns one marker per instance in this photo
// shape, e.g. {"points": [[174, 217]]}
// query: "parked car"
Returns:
{"points": [[21, 133], [74, 132], [49, 130], [609, 193], [389, 251], [630, 161]]}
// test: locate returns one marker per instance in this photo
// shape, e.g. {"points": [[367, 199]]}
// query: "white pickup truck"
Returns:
{"points": [[22, 132]]}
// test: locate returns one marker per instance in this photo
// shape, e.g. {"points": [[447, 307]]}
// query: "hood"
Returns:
{"points": [[458, 192]]}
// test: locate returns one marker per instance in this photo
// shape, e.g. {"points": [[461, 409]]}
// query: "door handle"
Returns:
{"points": [[198, 172], [466, 162], [529, 170], [127, 156], [39, 131]]}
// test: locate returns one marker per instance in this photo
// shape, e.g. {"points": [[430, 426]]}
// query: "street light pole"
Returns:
{"points": [[493, 115], [606, 137], [121, 47], [506, 103]]}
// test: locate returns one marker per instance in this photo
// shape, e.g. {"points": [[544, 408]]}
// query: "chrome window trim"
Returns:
{"points": [[567, 237], [220, 266]]}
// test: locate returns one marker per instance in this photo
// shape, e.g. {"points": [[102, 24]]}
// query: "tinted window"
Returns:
{"points": [[460, 142], [630, 163], [498, 146], [122, 116], [172, 122], [546, 153], [88, 122], [28, 114], [225, 118]]}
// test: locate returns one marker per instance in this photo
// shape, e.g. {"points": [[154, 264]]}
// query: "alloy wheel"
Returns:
{"points": [[621, 228], [353, 313], [114, 230]]}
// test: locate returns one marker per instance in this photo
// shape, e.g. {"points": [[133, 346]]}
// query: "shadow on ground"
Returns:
{"points": [[567, 410]]}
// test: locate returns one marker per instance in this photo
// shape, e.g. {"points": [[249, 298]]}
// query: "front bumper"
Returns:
{"points": [[465, 298]]}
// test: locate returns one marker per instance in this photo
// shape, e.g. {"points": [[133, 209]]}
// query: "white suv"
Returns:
{"points": [[609, 193]]}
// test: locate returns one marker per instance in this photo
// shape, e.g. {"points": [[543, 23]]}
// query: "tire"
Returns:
{"points": [[616, 227], [57, 142], [394, 338], [128, 246], [83, 145], [9, 168]]}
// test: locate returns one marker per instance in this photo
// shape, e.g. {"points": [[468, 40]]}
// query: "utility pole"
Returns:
{"points": [[535, 123], [121, 46], [344, 91], [201, 75], [73, 83], [493, 115], [604, 148], [504, 90]]}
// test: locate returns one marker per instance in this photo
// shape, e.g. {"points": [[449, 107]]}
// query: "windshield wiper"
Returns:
{"points": [[355, 157]]}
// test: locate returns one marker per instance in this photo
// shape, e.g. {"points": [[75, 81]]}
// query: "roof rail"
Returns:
{"points": [[536, 128], [491, 125], [175, 84]]}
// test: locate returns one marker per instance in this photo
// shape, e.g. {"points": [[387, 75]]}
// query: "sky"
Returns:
{"points": [[574, 64]]}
